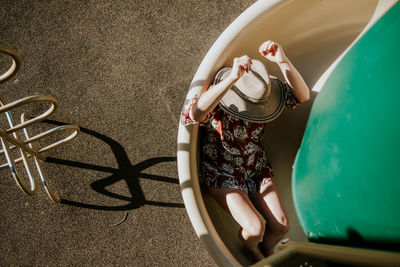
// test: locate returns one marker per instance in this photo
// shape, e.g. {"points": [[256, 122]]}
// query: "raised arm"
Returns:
{"points": [[274, 53], [210, 98]]}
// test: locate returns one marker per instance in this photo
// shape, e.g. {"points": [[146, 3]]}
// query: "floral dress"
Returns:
{"points": [[232, 155]]}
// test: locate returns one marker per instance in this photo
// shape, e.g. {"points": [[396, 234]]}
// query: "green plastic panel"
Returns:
{"points": [[346, 177]]}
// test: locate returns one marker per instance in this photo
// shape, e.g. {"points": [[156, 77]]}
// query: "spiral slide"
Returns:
{"points": [[316, 35], [346, 176]]}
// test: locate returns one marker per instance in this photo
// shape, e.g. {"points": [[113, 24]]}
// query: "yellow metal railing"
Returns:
{"points": [[294, 253], [11, 138]]}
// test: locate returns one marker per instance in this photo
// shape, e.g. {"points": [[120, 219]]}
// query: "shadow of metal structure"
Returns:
{"points": [[126, 171]]}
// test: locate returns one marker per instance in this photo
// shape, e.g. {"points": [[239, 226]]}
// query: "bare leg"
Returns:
{"points": [[268, 203], [239, 205]]}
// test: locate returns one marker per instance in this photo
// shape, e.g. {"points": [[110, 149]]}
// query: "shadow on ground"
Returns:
{"points": [[125, 171]]}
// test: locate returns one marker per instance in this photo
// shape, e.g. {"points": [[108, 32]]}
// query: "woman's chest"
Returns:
{"points": [[235, 135]]}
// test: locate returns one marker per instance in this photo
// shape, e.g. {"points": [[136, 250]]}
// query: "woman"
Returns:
{"points": [[233, 164]]}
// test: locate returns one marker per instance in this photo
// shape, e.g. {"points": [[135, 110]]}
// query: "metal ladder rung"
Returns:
{"points": [[26, 147]]}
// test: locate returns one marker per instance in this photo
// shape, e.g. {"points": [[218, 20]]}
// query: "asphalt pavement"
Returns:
{"points": [[120, 71]]}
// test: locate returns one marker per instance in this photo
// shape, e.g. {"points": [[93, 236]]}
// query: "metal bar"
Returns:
{"points": [[16, 64], [11, 162], [49, 192], [15, 174], [26, 101], [20, 144], [26, 147], [344, 255], [52, 146], [278, 258]]}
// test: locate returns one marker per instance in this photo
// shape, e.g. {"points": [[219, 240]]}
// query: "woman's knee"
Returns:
{"points": [[254, 229], [280, 227]]}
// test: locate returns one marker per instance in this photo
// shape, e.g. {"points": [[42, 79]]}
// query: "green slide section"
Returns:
{"points": [[346, 177]]}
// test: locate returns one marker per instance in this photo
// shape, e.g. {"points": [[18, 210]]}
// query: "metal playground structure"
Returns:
{"points": [[17, 138]]}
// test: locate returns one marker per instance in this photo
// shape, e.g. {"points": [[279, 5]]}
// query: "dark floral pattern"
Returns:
{"points": [[232, 155]]}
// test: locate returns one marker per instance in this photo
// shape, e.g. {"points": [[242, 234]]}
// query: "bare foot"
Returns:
{"points": [[257, 253]]}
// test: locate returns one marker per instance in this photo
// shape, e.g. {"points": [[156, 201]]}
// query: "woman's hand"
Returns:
{"points": [[240, 66], [273, 52], [210, 98]]}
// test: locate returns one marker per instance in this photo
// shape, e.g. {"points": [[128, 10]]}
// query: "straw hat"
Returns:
{"points": [[255, 97]]}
